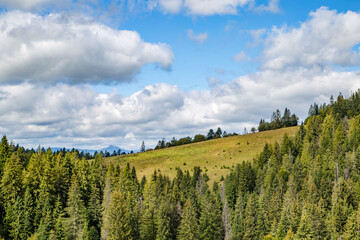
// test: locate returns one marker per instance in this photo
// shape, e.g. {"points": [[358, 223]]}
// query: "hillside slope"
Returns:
{"points": [[214, 156]]}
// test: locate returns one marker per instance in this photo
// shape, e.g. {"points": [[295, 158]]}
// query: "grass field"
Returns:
{"points": [[215, 157]]}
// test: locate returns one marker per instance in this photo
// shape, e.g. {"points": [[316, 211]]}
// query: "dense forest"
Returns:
{"points": [[304, 187]]}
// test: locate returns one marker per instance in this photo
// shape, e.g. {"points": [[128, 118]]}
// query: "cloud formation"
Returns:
{"points": [[200, 7], [76, 115], [327, 38], [198, 38], [72, 49], [64, 115]]}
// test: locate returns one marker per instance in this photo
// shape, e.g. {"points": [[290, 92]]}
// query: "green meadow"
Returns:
{"points": [[215, 157]]}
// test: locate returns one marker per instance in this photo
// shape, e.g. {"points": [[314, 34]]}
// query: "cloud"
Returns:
{"points": [[64, 115], [327, 38], [72, 49], [25, 4], [240, 57], [213, 82], [273, 7], [200, 7], [199, 38], [171, 6]]}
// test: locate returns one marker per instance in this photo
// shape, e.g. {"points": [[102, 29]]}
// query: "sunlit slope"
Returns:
{"points": [[214, 156]]}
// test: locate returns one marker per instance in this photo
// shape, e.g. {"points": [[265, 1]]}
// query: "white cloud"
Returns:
{"points": [[327, 38], [211, 7], [24, 4], [77, 116], [201, 7], [273, 7], [171, 6], [199, 38], [72, 49], [240, 57]]}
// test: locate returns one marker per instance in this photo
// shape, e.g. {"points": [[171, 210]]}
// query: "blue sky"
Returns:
{"points": [[91, 73]]}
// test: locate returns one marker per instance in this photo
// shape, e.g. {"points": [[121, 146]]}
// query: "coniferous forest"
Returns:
{"points": [[304, 187]]}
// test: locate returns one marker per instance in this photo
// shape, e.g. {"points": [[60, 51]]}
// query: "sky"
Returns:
{"points": [[91, 73]]}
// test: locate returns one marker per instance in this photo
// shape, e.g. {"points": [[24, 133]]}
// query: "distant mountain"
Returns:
{"points": [[110, 149]]}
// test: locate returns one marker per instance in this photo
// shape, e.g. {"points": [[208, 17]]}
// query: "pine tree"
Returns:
{"points": [[75, 210], [11, 182], [210, 223], [305, 230], [28, 214], [354, 133], [164, 222], [118, 225], [250, 218], [14, 219], [4, 153], [58, 219], [352, 229], [189, 226], [238, 217]]}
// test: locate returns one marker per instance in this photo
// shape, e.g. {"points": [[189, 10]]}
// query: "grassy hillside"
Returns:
{"points": [[215, 156]]}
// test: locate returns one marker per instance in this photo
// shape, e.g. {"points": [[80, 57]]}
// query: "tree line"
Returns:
{"points": [[197, 138], [279, 121]]}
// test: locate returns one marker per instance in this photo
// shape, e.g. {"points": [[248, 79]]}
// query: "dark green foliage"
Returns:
{"points": [[189, 225], [278, 121], [4, 153], [210, 222]]}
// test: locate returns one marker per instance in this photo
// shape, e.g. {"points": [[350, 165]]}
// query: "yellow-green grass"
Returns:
{"points": [[215, 157]]}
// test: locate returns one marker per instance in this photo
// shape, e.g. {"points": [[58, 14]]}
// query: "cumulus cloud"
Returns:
{"points": [[72, 49], [327, 38], [64, 115], [198, 38]]}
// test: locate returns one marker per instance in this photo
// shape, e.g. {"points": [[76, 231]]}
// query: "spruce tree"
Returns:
{"points": [[250, 218], [210, 223], [4, 153], [118, 225], [189, 225], [352, 229], [11, 182], [75, 210], [164, 222]]}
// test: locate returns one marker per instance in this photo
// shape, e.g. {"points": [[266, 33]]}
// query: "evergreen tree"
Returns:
{"points": [[250, 218], [4, 153], [352, 229], [11, 182], [189, 226], [164, 222], [28, 214], [210, 223], [118, 225], [75, 211], [142, 148]]}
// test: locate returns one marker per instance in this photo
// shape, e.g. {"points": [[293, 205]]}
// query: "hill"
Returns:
{"points": [[215, 157]]}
